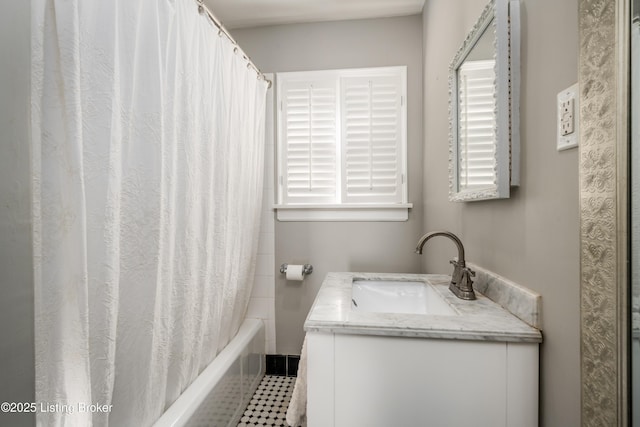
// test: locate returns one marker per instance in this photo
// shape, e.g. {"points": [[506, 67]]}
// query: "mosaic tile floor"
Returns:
{"points": [[268, 407]]}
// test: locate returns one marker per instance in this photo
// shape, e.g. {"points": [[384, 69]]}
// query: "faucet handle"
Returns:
{"points": [[465, 287]]}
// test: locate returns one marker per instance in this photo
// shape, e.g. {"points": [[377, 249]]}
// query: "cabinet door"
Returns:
{"points": [[396, 381]]}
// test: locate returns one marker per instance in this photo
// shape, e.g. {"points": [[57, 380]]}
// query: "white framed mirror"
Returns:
{"points": [[484, 79]]}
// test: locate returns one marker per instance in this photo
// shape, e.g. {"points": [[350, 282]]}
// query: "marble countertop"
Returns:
{"points": [[481, 320]]}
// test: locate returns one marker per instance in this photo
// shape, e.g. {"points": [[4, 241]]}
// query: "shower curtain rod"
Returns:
{"points": [[202, 8]]}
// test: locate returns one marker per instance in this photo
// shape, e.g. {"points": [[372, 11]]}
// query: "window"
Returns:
{"points": [[342, 145]]}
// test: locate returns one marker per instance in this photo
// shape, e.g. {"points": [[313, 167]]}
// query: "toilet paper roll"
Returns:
{"points": [[294, 272]]}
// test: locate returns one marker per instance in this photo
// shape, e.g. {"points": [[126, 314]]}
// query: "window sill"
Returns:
{"points": [[344, 212]]}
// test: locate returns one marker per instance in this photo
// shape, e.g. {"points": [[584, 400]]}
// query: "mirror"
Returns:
{"points": [[483, 107]]}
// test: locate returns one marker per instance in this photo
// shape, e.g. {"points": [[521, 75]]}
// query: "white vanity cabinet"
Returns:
{"points": [[382, 381], [478, 367]]}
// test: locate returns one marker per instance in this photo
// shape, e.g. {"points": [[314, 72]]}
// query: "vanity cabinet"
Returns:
{"points": [[382, 381], [475, 365]]}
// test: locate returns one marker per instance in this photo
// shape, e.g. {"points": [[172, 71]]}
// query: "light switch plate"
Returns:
{"points": [[568, 118]]}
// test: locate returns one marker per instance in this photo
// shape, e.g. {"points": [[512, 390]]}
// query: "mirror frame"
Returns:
{"points": [[503, 18], [604, 203]]}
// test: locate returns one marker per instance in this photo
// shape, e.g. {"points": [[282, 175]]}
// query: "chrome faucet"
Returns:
{"points": [[461, 282]]}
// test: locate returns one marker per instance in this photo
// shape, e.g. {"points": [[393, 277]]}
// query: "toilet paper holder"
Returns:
{"points": [[306, 269]]}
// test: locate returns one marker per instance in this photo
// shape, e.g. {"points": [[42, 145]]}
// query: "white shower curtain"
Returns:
{"points": [[147, 179]]}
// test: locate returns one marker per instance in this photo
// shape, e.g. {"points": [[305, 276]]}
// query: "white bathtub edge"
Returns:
{"points": [[184, 407]]}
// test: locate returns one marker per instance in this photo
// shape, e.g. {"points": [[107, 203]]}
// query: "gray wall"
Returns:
{"points": [[532, 238], [335, 246], [17, 377]]}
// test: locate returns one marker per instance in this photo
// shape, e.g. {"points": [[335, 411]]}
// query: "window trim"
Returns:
{"points": [[344, 212], [366, 211]]}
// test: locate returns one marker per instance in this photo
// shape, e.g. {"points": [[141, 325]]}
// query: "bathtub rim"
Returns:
{"points": [[184, 407]]}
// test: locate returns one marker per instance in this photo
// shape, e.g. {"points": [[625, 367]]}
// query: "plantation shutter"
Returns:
{"points": [[372, 139], [342, 145], [477, 128], [309, 127]]}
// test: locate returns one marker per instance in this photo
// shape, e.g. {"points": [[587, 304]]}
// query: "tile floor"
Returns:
{"points": [[268, 407]]}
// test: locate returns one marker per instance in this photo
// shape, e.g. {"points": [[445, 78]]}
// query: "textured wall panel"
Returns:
{"points": [[601, 210]]}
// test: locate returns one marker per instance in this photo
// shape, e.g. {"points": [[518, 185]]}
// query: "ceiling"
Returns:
{"points": [[255, 13]]}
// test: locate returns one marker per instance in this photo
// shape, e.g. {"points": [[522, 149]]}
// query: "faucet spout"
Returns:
{"points": [[423, 240], [461, 283]]}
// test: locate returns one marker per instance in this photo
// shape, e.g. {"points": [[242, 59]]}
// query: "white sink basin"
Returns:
{"points": [[391, 296]]}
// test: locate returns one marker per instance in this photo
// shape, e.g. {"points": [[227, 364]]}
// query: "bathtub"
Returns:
{"points": [[219, 396]]}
